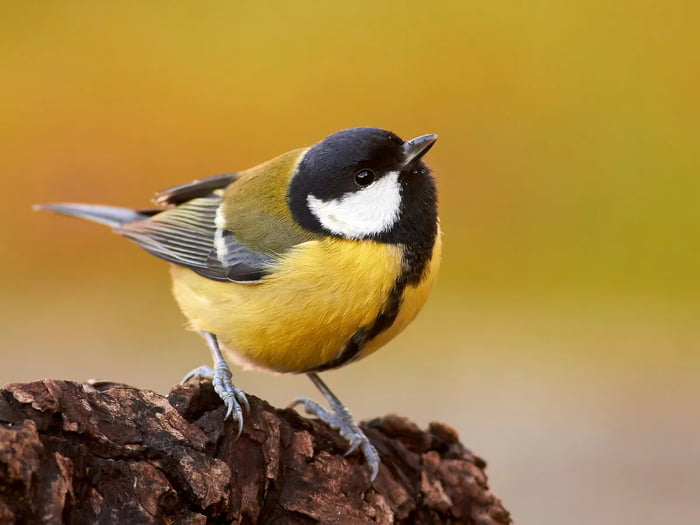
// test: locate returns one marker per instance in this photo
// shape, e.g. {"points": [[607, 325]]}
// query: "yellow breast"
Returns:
{"points": [[298, 318]]}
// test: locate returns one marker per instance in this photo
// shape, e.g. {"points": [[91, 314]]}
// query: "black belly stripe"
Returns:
{"points": [[416, 259], [353, 346]]}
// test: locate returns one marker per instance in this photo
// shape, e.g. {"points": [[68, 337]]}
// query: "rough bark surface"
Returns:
{"points": [[110, 453]]}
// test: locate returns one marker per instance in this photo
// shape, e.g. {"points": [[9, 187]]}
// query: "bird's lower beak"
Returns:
{"points": [[414, 149]]}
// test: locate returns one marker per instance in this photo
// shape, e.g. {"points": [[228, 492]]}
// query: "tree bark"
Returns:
{"points": [[110, 453]]}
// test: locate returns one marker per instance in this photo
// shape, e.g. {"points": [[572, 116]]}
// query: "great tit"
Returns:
{"points": [[304, 263]]}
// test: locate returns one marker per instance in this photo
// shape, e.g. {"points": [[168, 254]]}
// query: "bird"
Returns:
{"points": [[301, 264]]}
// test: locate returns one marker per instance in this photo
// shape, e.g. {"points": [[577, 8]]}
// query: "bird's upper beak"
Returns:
{"points": [[414, 149]]}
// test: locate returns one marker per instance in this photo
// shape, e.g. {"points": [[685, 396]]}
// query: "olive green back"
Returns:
{"points": [[255, 207]]}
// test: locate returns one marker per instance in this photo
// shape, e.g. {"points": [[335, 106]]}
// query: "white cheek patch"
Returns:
{"points": [[371, 210]]}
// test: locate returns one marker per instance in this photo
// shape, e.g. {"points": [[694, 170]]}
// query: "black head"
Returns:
{"points": [[367, 183]]}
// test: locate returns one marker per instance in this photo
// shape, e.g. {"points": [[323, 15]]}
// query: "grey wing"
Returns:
{"points": [[187, 235]]}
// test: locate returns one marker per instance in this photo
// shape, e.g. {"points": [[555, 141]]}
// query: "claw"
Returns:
{"points": [[242, 399], [314, 409], [353, 448], [372, 457], [341, 420], [201, 372], [297, 401], [232, 396], [220, 377]]}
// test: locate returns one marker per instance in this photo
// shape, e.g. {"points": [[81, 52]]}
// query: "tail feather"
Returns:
{"points": [[110, 215]]}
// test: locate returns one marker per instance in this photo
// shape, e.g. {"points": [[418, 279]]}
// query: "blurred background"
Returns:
{"points": [[563, 339]]}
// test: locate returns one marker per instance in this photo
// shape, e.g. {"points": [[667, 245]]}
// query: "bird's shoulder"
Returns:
{"points": [[255, 209]]}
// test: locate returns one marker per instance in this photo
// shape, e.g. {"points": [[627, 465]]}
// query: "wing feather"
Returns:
{"points": [[187, 235], [193, 190]]}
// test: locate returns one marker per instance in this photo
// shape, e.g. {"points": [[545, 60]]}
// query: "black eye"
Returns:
{"points": [[364, 177]]}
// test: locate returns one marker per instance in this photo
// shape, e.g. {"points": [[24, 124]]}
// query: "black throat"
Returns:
{"points": [[417, 227]]}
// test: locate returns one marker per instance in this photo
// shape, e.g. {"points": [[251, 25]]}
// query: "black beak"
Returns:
{"points": [[414, 149]]}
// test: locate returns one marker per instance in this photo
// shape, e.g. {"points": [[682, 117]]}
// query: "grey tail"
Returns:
{"points": [[109, 215]]}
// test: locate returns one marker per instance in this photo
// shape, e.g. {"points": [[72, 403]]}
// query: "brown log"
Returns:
{"points": [[110, 453]]}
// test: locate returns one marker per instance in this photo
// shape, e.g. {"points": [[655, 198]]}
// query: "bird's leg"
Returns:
{"points": [[220, 377], [341, 420]]}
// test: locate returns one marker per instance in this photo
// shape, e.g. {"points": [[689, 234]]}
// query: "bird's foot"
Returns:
{"points": [[234, 398], [341, 420]]}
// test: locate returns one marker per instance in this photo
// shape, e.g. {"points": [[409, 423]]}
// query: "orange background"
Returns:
{"points": [[563, 339]]}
